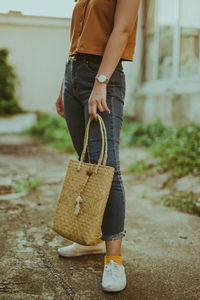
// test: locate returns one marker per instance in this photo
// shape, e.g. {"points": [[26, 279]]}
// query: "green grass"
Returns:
{"points": [[52, 129], [138, 166], [27, 185], [186, 202], [176, 150]]}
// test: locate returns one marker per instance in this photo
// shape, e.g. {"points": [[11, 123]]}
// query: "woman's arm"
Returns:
{"points": [[125, 17]]}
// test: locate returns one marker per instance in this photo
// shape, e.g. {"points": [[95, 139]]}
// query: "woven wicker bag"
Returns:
{"points": [[84, 195]]}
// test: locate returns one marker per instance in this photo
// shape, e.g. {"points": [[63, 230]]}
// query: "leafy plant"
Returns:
{"points": [[8, 79], [186, 202], [140, 134], [177, 150], [27, 185], [53, 130], [138, 166]]}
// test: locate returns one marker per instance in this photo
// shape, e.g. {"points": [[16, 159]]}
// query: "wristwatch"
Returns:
{"points": [[102, 78]]}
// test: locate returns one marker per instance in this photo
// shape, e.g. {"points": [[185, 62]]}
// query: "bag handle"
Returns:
{"points": [[104, 137], [103, 157], [104, 144], [86, 140]]}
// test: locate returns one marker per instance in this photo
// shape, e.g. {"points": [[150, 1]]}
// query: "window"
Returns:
{"points": [[189, 38], [172, 39]]}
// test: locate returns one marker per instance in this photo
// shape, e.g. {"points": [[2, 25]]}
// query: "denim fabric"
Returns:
{"points": [[79, 78]]}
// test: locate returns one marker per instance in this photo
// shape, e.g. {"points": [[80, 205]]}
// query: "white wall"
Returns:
{"points": [[39, 49]]}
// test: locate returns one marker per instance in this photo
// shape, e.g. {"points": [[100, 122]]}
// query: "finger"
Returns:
{"points": [[58, 104], [104, 104], [62, 114], [99, 105], [94, 111], [60, 109], [57, 108], [61, 105], [89, 108]]}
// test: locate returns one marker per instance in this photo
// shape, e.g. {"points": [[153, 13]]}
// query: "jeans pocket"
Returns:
{"points": [[91, 66], [115, 79]]}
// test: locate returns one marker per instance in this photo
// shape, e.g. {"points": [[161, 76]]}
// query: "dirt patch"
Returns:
{"points": [[160, 251]]}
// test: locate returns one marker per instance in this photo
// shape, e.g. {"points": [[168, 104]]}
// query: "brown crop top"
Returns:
{"points": [[91, 25]]}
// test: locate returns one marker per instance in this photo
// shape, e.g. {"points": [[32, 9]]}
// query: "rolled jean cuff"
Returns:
{"points": [[113, 236]]}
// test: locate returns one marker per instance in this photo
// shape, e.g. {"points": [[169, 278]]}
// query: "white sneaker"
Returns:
{"points": [[76, 249], [114, 277]]}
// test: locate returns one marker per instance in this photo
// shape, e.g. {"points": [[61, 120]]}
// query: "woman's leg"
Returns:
{"points": [[82, 81], [114, 216]]}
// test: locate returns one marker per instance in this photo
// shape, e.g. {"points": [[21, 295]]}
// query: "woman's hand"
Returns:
{"points": [[97, 100], [59, 103]]}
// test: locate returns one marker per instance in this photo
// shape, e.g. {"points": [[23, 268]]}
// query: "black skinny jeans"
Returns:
{"points": [[79, 77]]}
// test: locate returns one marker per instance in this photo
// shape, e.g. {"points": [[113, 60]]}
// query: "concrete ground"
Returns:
{"points": [[161, 251]]}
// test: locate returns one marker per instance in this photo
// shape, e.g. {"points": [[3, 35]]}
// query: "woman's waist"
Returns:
{"points": [[78, 56]]}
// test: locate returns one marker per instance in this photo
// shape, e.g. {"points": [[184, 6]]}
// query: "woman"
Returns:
{"points": [[102, 35]]}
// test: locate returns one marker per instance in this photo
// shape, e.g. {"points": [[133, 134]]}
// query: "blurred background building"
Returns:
{"points": [[168, 87], [162, 83]]}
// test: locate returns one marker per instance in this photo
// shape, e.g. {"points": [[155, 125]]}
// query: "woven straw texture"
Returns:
{"points": [[91, 184]]}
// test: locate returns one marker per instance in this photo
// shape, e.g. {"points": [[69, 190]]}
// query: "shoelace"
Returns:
{"points": [[112, 267]]}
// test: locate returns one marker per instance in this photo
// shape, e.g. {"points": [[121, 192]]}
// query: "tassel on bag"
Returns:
{"points": [[79, 199]]}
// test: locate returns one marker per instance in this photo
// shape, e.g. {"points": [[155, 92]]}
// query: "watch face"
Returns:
{"points": [[102, 78]]}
